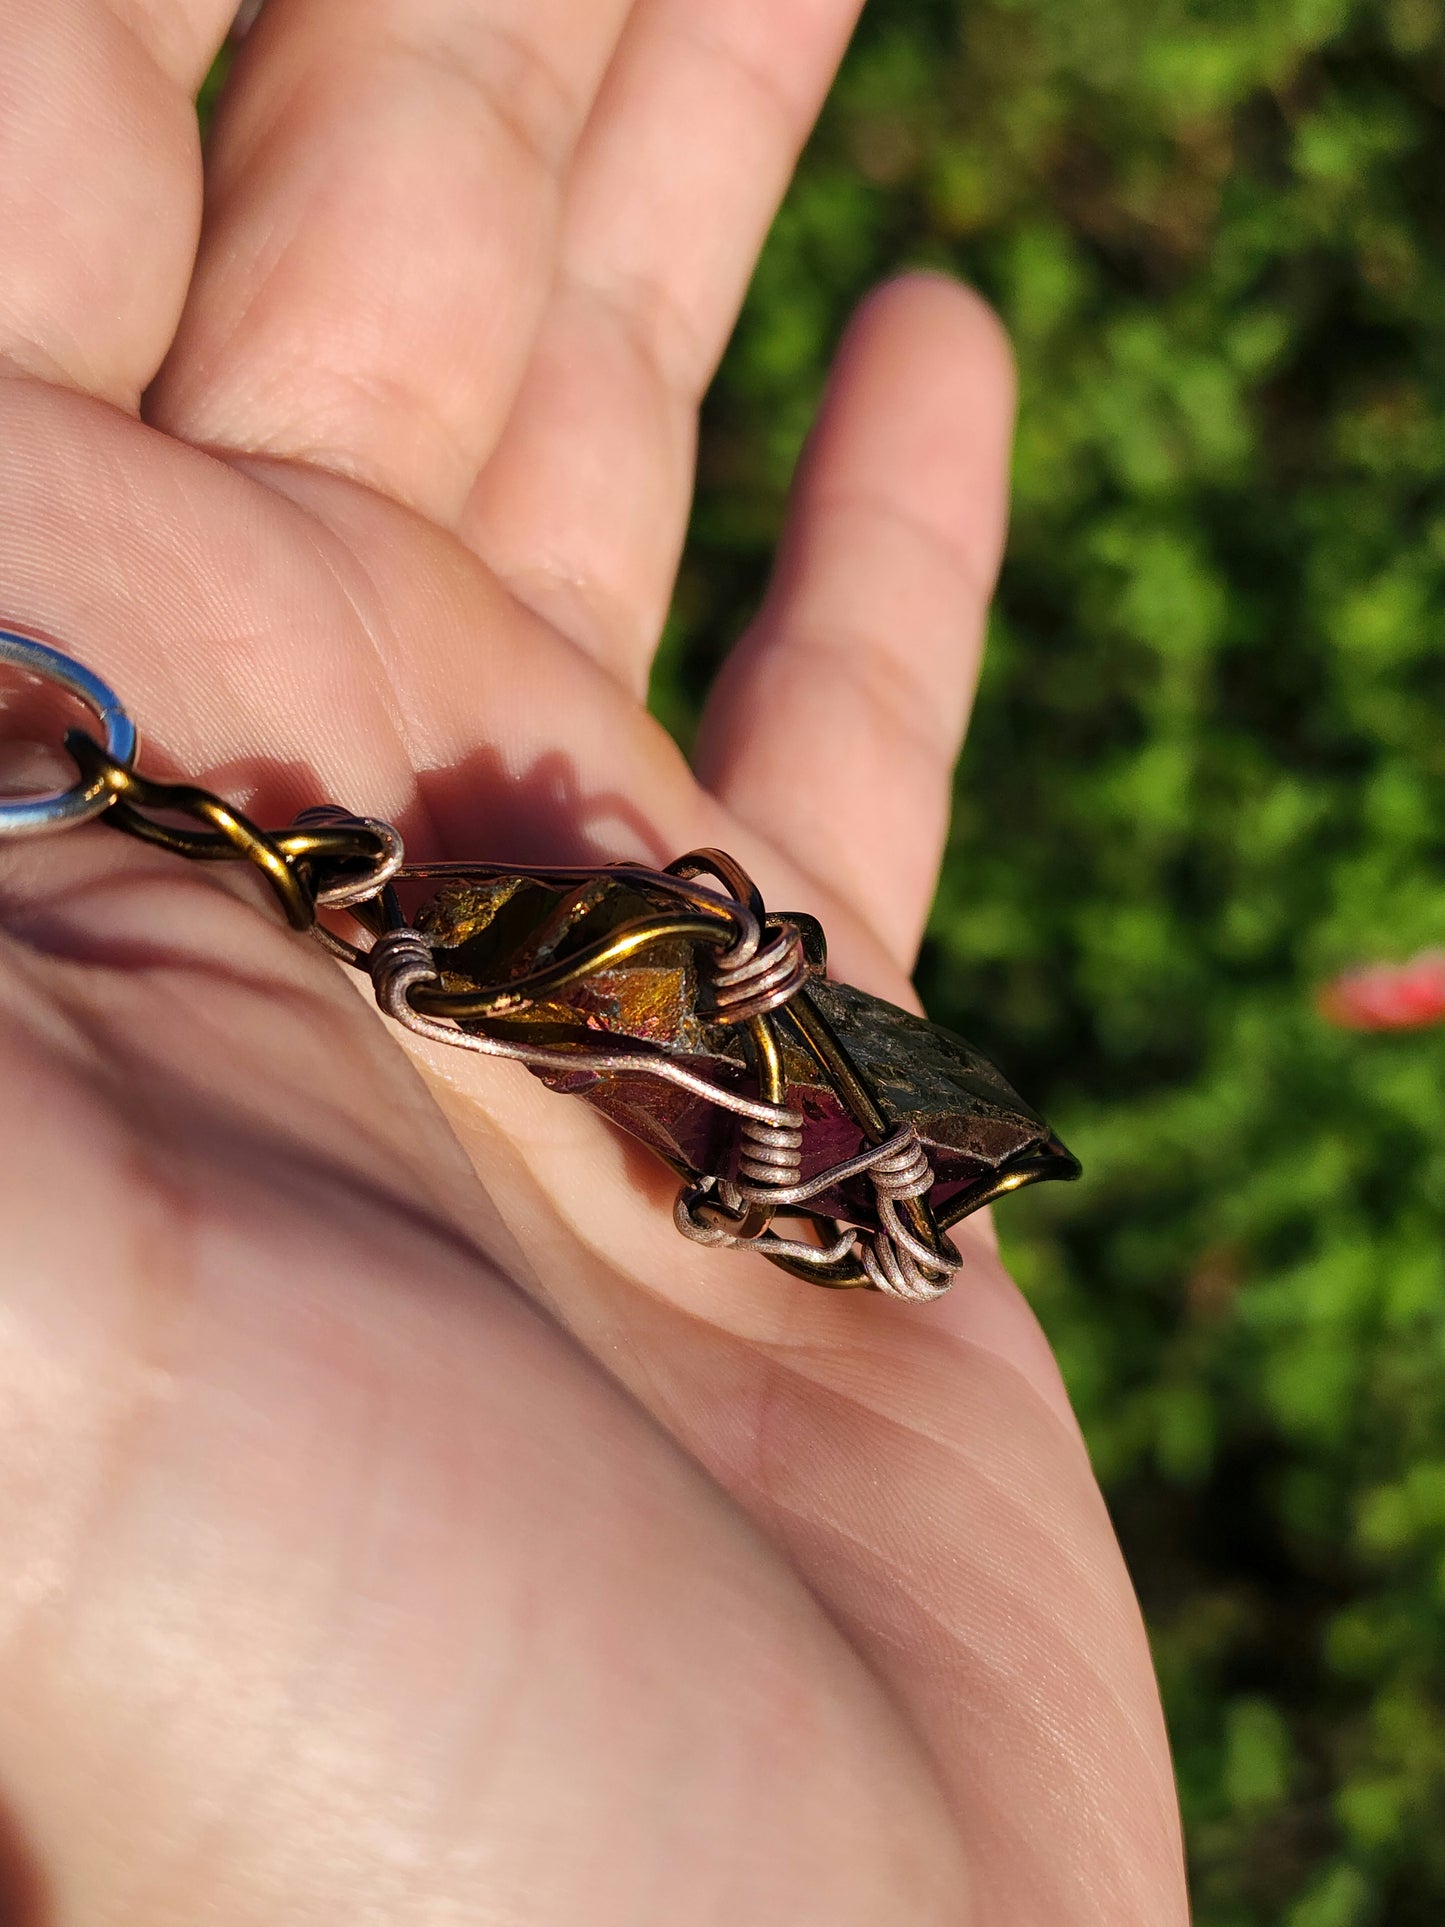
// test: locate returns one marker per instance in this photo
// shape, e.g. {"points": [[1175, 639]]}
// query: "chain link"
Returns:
{"points": [[327, 857]]}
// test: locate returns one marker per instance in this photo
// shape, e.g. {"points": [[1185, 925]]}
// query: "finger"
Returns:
{"points": [[100, 184], [694, 136], [382, 193], [836, 723]]}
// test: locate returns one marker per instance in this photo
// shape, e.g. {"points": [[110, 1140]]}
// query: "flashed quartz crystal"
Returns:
{"points": [[899, 1128]]}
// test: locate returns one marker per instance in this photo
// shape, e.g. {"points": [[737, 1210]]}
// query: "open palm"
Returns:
{"points": [[398, 1522]]}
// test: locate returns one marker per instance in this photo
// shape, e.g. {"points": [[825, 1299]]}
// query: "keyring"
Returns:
{"points": [[62, 808]]}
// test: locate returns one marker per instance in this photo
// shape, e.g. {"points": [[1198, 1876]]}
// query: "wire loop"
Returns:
{"points": [[348, 891], [893, 1259], [762, 982], [63, 809]]}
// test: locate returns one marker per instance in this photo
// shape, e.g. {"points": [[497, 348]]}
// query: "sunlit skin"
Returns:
{"points": [[398, 1521]]}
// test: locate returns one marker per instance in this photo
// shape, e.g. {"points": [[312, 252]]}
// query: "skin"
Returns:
{"points": [[399, 1522]]}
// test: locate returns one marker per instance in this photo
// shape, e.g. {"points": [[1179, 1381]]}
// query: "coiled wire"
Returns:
{"points": [[750, 982], [896, 1261]]}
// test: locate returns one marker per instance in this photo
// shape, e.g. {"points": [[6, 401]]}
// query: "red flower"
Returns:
{"points": [[1404, 996]]}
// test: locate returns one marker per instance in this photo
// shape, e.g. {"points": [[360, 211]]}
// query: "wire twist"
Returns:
{"points": [[749, 980], [894, 1259], [770, 1159], [397, 960], [351, 890]]}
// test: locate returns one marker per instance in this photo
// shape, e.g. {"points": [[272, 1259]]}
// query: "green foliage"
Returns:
{"points": [[1206, 772]]}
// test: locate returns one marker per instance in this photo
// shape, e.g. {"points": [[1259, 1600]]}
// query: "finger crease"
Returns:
{"points": [[391, 399], [790, 114], [656, 325], [893, 685], [168, 48], [520, 91], [581, 609], [976, 583]]}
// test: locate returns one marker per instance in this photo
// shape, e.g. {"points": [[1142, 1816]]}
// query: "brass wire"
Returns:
{"points": [[286, 858], [760, 975], [619, 947]]}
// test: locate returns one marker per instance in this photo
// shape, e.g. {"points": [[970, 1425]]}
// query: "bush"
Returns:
{"points": [[1205, 773]]}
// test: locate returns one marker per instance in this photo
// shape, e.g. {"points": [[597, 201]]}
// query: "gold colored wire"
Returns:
{"points": [[602, 955], [135, 793]]}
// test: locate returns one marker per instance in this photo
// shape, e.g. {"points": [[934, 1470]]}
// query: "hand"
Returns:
{"points": [[400, 1523]]}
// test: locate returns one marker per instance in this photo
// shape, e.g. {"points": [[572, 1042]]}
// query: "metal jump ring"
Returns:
{"points": [[33, 815], [341, 896]]}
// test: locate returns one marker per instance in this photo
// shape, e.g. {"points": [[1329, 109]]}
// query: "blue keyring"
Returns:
{"points": [[33, 815]]}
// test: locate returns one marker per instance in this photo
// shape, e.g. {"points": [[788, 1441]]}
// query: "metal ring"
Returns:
{"points": [[35, 814], [340, 896]]}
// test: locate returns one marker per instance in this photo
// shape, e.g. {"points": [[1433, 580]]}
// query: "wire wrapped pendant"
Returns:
{"points": [[831, 1132], [835, 1134]]}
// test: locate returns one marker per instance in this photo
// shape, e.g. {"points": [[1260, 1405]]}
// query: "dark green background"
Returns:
{"points": [[1205, 773]]}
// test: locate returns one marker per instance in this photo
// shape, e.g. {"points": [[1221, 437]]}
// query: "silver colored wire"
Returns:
{"points": [[750, 985], [400, 959], [768, 1242], [899, 1161], [343, 895], [895, 1259], [770, 1160]]}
